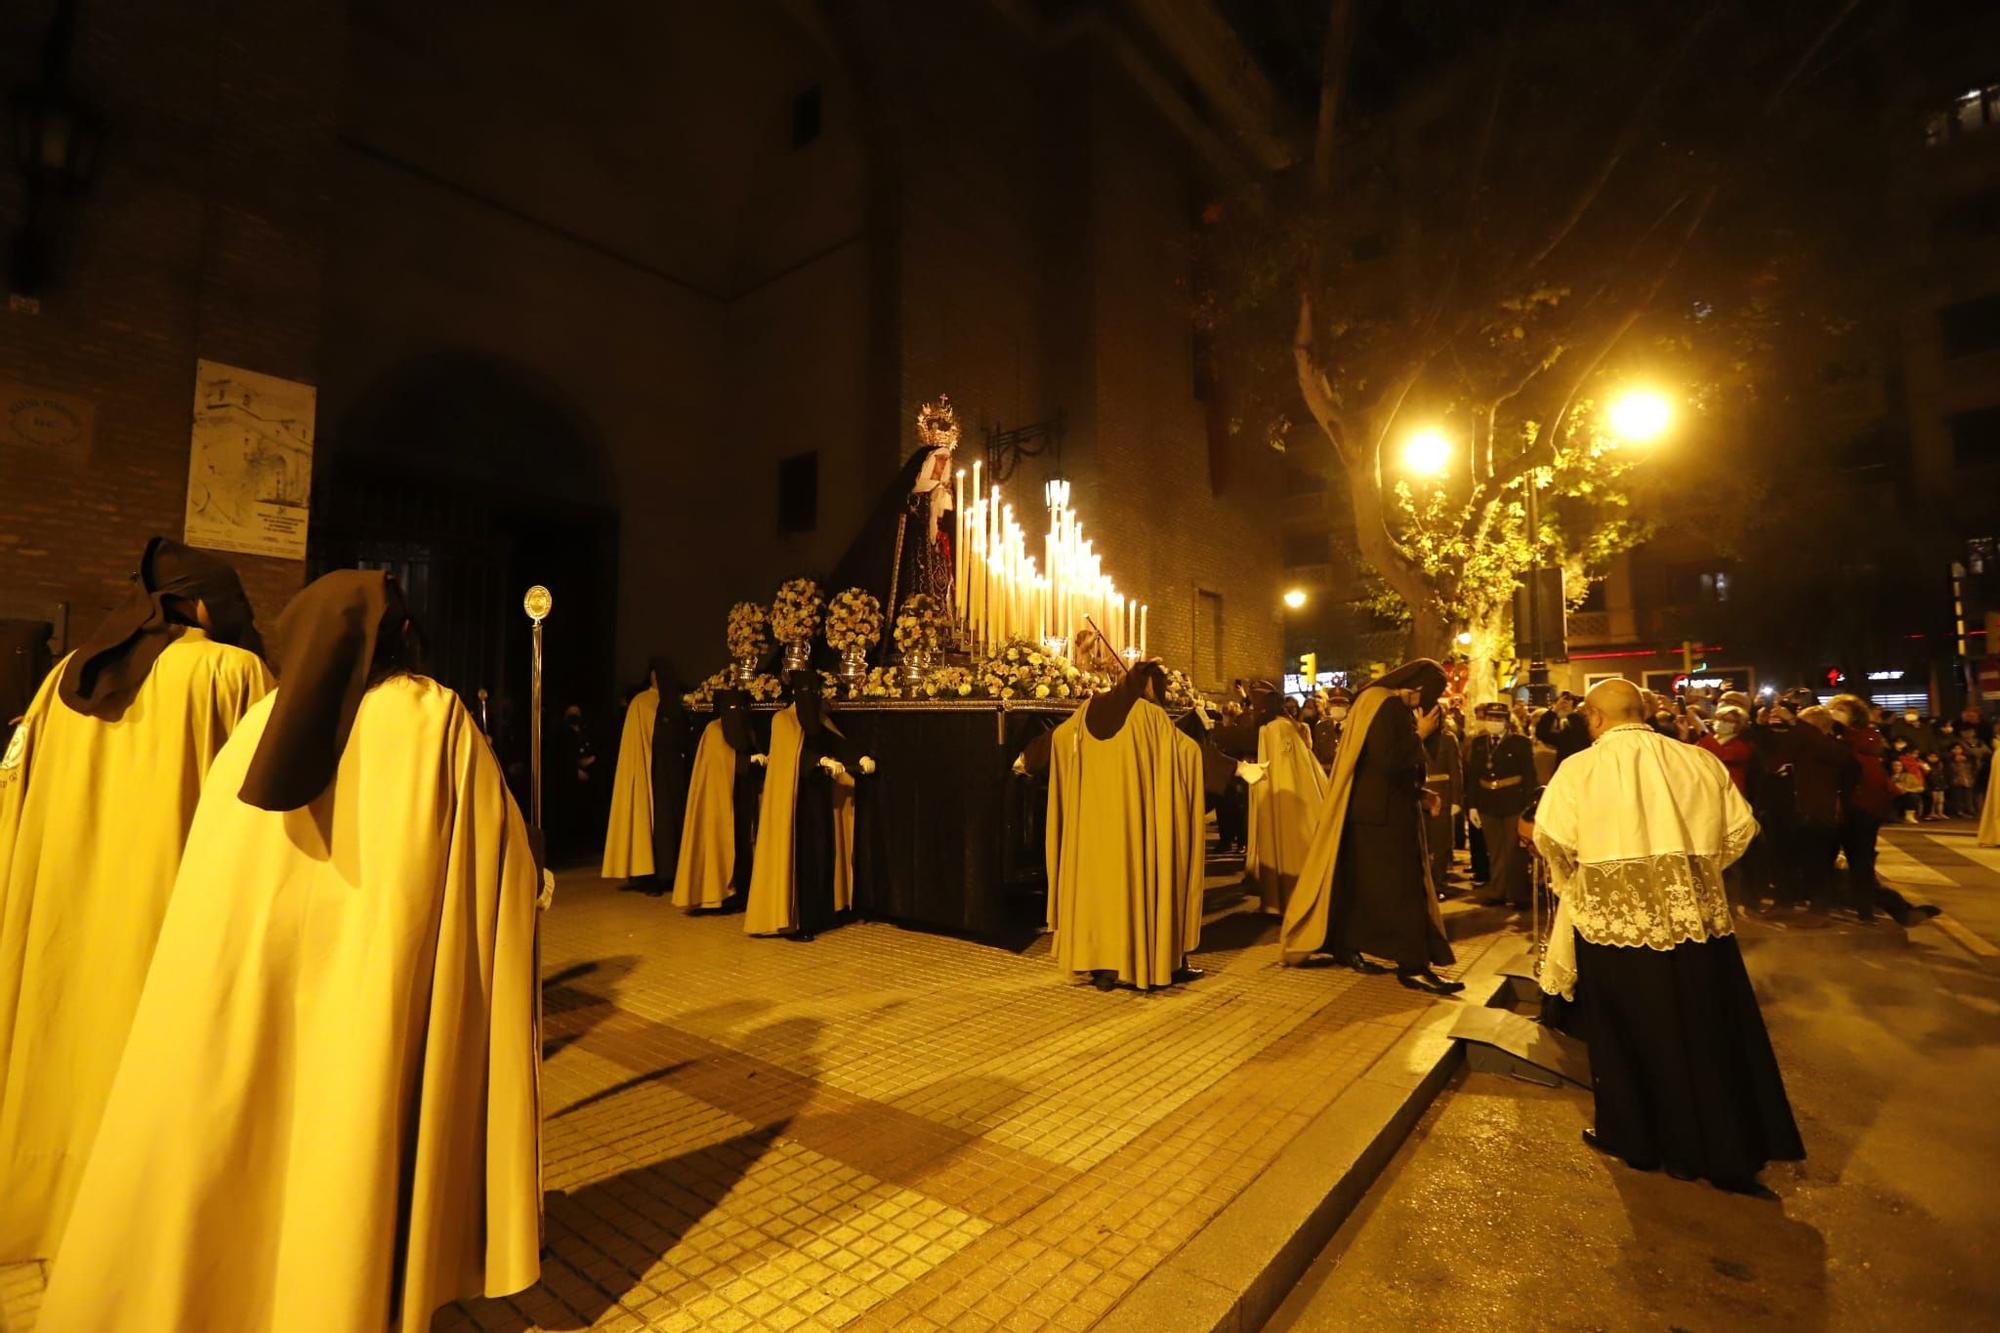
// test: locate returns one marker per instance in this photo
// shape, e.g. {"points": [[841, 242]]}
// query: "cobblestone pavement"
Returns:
{"points": [[890, 1129]]}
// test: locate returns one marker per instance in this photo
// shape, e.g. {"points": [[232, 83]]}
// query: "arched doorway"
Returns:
{"points": [[470, 480]]}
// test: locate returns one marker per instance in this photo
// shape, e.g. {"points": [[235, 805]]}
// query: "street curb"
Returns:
{"points": [[1232, 1275]]}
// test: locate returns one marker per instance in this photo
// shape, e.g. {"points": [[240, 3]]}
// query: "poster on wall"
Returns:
{"points": [[250, 464]]}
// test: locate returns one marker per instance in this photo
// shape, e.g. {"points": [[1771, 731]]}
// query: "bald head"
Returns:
{"points": [[1612, 703]]}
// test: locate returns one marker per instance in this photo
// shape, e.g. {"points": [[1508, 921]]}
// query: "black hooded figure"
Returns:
{"points": [[814, 841], [739, 728], [1383, 903], [673, 753]]}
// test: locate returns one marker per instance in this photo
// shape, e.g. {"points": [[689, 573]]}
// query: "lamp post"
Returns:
{"points": [[537, 604]]}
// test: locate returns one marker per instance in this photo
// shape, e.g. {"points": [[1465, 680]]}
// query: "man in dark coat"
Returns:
{"points": [[1500, 781], [1563, 729], [1365, 888]]}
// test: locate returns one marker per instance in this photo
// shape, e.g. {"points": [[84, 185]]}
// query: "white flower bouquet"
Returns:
{"points": [[919, 625], [853, 621], [746, 637], [795, 613]]}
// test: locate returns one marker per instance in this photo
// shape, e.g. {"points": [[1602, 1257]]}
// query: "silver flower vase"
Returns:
{"points": [[798, 656], [745, 671], [916, 670], [854, 670]]}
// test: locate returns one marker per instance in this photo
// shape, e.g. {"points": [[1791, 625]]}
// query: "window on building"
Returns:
{"points": [[1974, 110], [1307, 548], [1971, 326], [806, 117], [1975, 437], [1208, 640], [798, 493], [1597, 598]]}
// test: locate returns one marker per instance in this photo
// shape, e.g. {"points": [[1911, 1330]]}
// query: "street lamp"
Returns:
{"points": [[1640, 416], [1295, 598], [1427, 452]]}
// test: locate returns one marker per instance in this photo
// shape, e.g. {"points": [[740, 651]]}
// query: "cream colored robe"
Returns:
{"points": [[773, 905], [708, 834], [1126, 847], [628, 838], [1989, 814], [93, 815], [327, 1117], [1284, 807]]}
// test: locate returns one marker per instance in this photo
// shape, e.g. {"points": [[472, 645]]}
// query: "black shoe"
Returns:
{"points": [[1188, 972], [1682, 1173], [1595, 1144], [1104, 980], [1430, 981], [1358, 963]]}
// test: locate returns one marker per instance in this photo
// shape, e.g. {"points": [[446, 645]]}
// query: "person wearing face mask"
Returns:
{"points": [[1728, 744], [1500, 778], [1333, 712]]}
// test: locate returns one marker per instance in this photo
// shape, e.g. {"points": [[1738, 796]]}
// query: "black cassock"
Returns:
{"points": [[1681, 1066], [813, 844], [1382, 898], [673, 752]]}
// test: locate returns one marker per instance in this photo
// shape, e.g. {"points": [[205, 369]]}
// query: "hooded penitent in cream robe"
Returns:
{"points": [[326, 1119], [708, 837], [628, 840], [1989, 816], [773, 907], [94, 808], [1283, 809], [1125, 846]]}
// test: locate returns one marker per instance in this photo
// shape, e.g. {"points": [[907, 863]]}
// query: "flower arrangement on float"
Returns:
{"points": [[853, 627], [747, 639], [919, 625], [951, 682], [1181, 692], [795, 620], [1021, 670]]}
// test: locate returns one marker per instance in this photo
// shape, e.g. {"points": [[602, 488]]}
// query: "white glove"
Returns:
{"points": [[1252, 774], [547, 897], [1021, 764], [832, 767], [867, 766], [760, 759], [1472, 818]]}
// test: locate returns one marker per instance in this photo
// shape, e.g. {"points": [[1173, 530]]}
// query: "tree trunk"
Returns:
{"points": [[1490, 646]]}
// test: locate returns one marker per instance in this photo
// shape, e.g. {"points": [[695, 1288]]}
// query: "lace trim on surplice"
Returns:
{"points": [[1652, 901]]}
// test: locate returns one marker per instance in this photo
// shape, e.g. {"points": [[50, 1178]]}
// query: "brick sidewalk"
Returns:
{"points": [[889, 1129]]}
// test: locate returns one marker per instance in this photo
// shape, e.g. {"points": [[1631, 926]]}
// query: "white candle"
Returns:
{"points": [[1144, 607]]}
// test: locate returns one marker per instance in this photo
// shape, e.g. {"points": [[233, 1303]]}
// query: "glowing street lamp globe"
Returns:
{"points": [[1295, 598], [1426, 453], [1640, 415]]}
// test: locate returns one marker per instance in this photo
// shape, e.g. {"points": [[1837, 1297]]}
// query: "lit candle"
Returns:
{"points": [[1144, 607]]}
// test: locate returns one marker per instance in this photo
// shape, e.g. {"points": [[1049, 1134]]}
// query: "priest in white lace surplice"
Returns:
{"points": [[1637, 831]]}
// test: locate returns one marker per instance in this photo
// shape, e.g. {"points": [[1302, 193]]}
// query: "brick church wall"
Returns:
{"points": [[203, 237]]}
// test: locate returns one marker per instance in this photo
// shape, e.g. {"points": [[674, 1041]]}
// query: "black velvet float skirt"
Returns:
{"points": [[1679, 1060]]}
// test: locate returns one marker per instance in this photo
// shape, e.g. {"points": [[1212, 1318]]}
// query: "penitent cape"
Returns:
{"points": [[327, 1115], [773, 906], [628, 839], [1306, 916], [708, 836], [1125, 846], [93, 815], [1283, 809]]}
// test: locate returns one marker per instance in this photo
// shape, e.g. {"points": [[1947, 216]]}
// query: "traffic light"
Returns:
{"points": [[1308, 672]]}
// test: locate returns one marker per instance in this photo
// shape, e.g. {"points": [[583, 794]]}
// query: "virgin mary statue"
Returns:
{"points": [[905, 546]]}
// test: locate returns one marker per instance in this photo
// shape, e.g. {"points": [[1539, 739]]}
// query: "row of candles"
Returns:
{"points": [[1004, 592]]}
